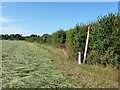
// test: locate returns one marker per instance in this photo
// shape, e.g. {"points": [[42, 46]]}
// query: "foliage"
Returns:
{"points": [[12, 37], [46, 38], [76, 37], [104, 39], [59, 37]]}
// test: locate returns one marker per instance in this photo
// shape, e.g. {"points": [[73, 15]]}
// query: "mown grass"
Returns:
{"points": [[25, 65], [36, 65], [92, 76]]}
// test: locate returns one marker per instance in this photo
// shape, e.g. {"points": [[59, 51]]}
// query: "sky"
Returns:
{"points": [[39, 18]]}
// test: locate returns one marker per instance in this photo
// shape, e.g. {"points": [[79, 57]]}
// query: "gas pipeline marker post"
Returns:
{"points": [[86, 45], [79, 58]]}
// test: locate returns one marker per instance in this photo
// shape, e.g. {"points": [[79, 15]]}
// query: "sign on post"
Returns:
{"points": [[86, 45]]}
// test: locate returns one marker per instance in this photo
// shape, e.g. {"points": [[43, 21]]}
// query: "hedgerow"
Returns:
{"points": [[59, 37], [104, 40]]}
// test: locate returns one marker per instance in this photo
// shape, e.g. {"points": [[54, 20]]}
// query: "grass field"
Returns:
{"points": [[32, 65], [26, 66]]}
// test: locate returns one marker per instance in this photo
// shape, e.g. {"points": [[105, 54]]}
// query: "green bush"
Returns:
{"points": [[105, 33], [76, 37], [104, 40], [59, 37], [105, 37], [46, 38]]}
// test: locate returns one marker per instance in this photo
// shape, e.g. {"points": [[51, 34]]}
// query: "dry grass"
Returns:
{"points": [[36, 65], [25, 65], [92, 76]]}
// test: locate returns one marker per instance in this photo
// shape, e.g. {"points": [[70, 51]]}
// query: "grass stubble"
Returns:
{"points": [[26, 66], [33, 65]]}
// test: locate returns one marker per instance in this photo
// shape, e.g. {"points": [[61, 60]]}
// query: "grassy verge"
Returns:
{"points": [[32, 65], [92, 76]]}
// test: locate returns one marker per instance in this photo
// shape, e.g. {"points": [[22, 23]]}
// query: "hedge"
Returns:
{"points": [[104, 40]]}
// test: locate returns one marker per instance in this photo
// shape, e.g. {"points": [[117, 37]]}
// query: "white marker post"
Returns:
{"points": [[86, 45], [79, 58]]}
